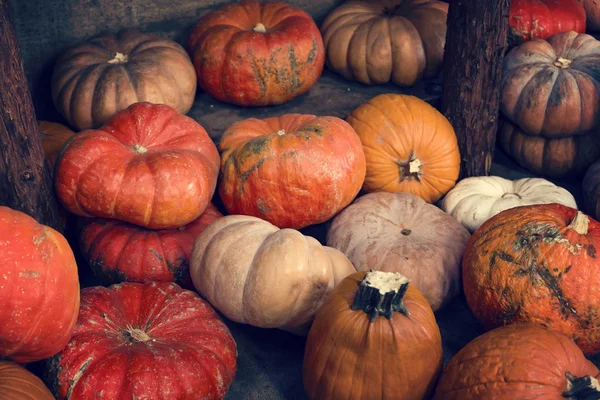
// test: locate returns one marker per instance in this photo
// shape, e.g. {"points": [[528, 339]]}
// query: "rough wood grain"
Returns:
{"points": [[25, 179], [475, 48]]}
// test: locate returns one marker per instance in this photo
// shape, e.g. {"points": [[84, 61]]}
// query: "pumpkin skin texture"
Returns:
{"points": [[550, 87], [590, 188], [39, 291], [257, 274], [353, 354], [520, 361], [148, 166], [53, 136], [106, 74], [409, 146], [16, 383], [536, 264], [540, 19], [592, 10], [257, 53], [476, 199], [145, 341], [552, 157], [403, 40], [400, 232], [273, 167], [118, 252]]}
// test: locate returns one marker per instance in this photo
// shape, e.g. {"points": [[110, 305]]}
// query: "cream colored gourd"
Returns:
{"points": [[400, 232], [475, 200], [258, 274]]}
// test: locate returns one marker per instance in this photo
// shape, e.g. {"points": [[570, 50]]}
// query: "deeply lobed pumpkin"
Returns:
{"points": [[16, 383], [293, 171]]}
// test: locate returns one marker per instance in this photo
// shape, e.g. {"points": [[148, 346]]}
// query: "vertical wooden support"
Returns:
{"points": [[25, 179], [475, 48]]}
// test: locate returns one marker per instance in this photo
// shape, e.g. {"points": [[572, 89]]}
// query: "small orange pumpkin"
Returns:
{"points": [[53, 136], [409, 146], [16, 383]]}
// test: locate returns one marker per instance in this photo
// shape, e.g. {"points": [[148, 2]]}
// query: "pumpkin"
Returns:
{"points": [[117, 251], [375, 337], [537, 264], [400, 232], [274, 167], [476, 199], [258, 274], [39, 289], [257, 53], [592, 10], [540, 19], [53, 136], [551, 87], [520, 361], [552, 157], [380, 41], [16, 383], [148, 166], [95, 79], [145, 341], [590, 189], [409, 146]]}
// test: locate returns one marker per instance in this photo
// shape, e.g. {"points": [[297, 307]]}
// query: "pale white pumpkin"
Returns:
{"points": [[475, 200], [257, 274]]}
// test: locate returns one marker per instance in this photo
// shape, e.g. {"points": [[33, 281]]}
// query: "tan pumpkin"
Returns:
{"points": [[258, 274], [106, 74], [399, 232], [16, 383], [379, 41]]}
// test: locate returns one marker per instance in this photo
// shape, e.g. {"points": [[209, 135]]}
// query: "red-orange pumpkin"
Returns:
{"points": [[293, 171], [39, 288], [117, 251], [537, 264], [149, 165], [16, 383], [257, 53]]}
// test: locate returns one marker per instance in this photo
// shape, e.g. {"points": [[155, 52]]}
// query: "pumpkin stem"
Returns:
{"points": [[562, 62], [119, 58], [260, 28], [136, 335], [410, 168], [381, 293], [517, 195], [584, 388], [138, 148], [580, 223], [281, 132]]}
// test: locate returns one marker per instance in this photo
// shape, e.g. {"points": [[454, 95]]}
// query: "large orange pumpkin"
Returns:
{"points": [[537, 264], [16, 383], [409, 146], [520, 361], [39, 288], [53, 136], [149, 165], [375, 337], [293, 171], [257, 53]]}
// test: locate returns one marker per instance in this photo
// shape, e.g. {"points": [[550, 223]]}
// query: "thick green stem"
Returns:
{"points": [[381, 293]]}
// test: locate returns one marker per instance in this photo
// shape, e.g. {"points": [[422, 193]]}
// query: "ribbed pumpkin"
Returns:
{"points": [[117, 251], [39, 289], [293, 171], [409, 146], [257, 53], [380, 41], [95, 79], [552, 87], [149, 166], [144, 341], [592, 11], [53, 136], [16, 383], [375, 337], [537, 264], [520, 361]]}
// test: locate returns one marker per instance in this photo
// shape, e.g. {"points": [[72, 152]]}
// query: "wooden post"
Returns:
{"points": [[25, 179], [475, 48]]}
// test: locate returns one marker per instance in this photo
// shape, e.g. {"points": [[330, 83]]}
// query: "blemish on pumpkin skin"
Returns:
{"points": [[156, 254], [591, 251], [313, 52], [39, 239], [295, 84], [29, 274], [245, 175]]}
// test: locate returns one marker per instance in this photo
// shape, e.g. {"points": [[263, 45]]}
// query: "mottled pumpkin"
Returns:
{"points": [[293, 171], [257, 53], [53, 136], [16, 383], [520, 361], [409, 146], [537, 264]]}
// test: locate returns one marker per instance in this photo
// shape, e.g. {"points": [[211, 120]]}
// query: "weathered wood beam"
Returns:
{"points": [[475, 48], [25, 179]]}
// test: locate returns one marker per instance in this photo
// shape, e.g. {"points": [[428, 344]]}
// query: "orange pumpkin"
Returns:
{"points": [[537, 264], [275, 167], [375, 337], [409, 146], [16, 383], [520, 361], [53, 136]]}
